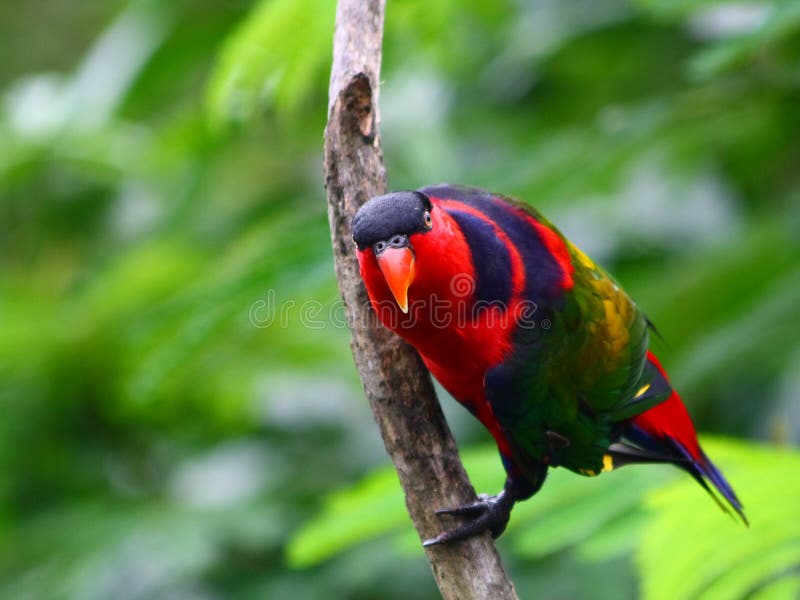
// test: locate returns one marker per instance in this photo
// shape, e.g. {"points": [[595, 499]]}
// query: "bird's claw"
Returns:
{"points": [[473, 509], [488, 513]]}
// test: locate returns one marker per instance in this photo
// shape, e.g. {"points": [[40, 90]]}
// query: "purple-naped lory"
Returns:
{"points": [[526, 331]]}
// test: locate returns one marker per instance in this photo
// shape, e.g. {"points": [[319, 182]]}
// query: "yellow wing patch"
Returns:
{"points": [[613, 328], [608, 463], [618, 310], [582, 258]]}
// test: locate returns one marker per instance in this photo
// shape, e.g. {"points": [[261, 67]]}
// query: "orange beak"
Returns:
{"points": [[397, 266]]}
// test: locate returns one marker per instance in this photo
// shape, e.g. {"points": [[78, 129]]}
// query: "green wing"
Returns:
{"points": [[559, 394]]}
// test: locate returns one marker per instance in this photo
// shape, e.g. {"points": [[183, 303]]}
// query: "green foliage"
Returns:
{"points": [[274, 58], [777, 32], [351, 516], [685, 548], [179, 402], [685, 554]]}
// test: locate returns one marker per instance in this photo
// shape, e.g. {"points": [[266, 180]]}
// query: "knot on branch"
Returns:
{"points": [[356, 98]]}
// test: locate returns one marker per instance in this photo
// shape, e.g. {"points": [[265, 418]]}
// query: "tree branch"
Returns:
{"points": [[396, 383]]}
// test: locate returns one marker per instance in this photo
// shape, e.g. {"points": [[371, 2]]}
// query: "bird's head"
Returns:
{"points": [[389, 227]]}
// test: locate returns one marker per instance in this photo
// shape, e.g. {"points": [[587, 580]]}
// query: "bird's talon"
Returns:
{"points": [[431, 541], [488, 513], [473, 509]]}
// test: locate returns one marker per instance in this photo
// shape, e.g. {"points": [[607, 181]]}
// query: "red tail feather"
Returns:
{"points": [[668, 425], [670, 419]]}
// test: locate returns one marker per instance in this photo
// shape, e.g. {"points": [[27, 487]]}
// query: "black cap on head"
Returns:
{"points": [[398, 213]]}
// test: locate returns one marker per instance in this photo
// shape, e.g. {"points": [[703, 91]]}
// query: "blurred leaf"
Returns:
{"points": [[785, 587], [684, 8], [273, 58], [686, 552], [582, 513], [124, 551], [351, 516], [782, 22], [617, 537]]}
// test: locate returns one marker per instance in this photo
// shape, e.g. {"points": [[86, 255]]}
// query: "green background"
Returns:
{"points": [[180, 413]]}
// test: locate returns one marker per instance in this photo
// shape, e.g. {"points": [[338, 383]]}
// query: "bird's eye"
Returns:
{"points": [[428, 220]]}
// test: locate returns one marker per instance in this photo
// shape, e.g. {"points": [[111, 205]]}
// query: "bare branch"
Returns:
{"points": [[396, 383]]}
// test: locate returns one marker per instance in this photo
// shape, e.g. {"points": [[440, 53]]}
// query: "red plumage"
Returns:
{"points": [[670, 419]]}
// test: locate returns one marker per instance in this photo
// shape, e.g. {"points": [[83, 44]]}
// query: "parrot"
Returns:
{"points": [[535, 339]]}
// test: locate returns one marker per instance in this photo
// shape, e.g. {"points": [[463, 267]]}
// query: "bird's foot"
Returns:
{"points": [[488, 513]]}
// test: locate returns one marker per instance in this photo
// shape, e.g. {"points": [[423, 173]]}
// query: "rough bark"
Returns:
{"points": [[396, 383]]}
